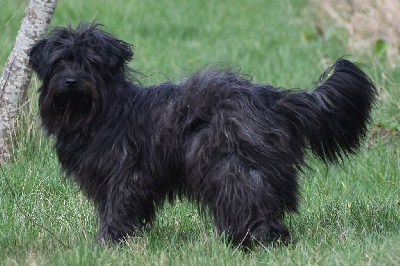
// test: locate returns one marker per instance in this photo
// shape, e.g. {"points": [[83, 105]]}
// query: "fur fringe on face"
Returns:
{"points": [[217, 138]]}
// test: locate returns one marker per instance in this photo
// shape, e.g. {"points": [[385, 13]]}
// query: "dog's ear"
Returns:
{"points": [[119, 53], [36, 58]]}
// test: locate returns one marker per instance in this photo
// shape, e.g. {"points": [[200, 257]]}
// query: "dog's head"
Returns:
{"points": [[76, 67]]}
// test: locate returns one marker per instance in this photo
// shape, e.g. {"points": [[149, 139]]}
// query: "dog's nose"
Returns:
{"points": [[70, 82]]}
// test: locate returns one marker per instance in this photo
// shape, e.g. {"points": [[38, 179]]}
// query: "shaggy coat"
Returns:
{"points": [[217, 138]]}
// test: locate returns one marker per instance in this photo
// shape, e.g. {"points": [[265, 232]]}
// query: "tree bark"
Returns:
{"points": [[17, 74]]}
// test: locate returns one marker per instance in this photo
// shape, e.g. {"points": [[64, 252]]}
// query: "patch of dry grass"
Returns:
{"points": [[373, 26]]}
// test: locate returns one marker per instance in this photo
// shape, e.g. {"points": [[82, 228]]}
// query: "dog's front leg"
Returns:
{"points": [[127, 208]]}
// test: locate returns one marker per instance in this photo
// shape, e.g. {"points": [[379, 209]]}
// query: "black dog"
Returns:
{"points": [[216, 138]]}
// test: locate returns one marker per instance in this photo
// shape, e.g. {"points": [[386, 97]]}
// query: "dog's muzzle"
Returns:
{"points": [[70, 82]]}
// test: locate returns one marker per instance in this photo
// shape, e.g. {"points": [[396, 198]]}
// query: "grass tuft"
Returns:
{"points": [[372, 26]]}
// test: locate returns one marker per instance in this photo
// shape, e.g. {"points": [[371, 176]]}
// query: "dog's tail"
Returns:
{"points": [[334, 117]]}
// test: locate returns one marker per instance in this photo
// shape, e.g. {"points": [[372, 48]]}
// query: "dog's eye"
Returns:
{"points": [[59, 62]]}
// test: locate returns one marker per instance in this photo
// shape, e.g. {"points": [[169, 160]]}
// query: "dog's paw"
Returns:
{"points": [[271, 233]]}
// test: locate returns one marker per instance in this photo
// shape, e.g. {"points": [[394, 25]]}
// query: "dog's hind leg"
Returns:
{"points": [[245, 207]]}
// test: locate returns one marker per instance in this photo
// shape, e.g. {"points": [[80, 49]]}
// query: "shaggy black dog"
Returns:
{"points": [[216, 138]]}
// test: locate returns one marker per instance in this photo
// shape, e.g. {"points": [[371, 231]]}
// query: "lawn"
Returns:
{"points": [[349, 213]]}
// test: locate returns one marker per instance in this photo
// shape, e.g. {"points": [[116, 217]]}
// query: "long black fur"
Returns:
{"points": [[217, 138]]}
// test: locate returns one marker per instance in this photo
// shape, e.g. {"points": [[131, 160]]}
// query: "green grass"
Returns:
{"points": [[349, 212]]}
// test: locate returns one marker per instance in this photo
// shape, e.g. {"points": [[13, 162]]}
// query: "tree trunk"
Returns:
{"points": [[16, 74]]}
